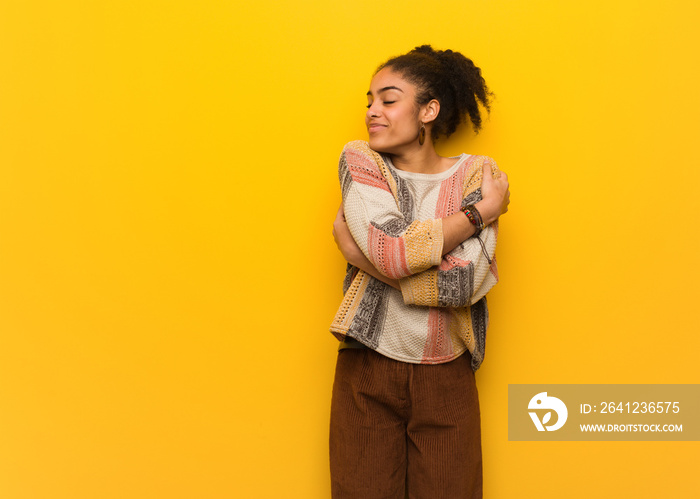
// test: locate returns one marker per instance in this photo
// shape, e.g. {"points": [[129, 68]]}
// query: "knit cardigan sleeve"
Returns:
{"points": [[469, 271], [377, 220]]}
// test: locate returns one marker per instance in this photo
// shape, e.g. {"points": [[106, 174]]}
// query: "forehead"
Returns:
{"points": [[386, 78]]}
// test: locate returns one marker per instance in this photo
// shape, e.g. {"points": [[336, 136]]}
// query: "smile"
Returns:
{"points": [[375, 128]]}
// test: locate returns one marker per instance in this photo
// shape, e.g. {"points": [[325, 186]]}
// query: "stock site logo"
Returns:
{"points": [[542, 401]]}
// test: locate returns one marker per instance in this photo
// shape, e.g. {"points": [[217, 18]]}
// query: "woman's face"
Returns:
{"points": [[392, 113]]}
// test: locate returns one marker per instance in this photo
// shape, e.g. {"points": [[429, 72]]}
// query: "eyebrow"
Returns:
{"points": [[385, 89]]}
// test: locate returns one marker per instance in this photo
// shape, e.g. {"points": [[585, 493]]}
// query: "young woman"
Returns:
{"points": [[419, 233]]}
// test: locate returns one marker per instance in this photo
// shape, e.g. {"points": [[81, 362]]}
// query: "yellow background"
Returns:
{"points": [[167, 271]]}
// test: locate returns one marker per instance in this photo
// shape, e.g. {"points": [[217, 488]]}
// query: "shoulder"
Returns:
{"points": [[488, 160], [361, 165], [480, 159], [474, 169], [358, 153], [356, 145], [475, 163]]}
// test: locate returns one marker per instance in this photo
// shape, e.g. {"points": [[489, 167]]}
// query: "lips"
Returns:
{"points": [[375, 127]]}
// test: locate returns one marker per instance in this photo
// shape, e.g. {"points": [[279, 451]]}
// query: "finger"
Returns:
{"points": [[487, 175]]}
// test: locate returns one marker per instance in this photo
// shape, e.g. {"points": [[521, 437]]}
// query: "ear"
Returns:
{"points": [[430, 111]]}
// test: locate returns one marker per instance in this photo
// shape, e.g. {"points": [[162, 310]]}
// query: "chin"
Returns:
{"points": [[379, 146]]}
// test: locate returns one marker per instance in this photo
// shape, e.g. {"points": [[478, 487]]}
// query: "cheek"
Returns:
{"points": [[408, 120]]}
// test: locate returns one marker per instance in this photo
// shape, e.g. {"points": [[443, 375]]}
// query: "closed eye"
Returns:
{"points": [[385, 103]]}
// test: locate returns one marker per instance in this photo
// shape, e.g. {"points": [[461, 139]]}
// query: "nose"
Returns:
{"points": [[372, 111]]}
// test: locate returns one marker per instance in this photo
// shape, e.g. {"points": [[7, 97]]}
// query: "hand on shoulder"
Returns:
{"points": [[495, 192]]}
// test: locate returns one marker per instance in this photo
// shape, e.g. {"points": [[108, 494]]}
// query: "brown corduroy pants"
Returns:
{"points": [[402, 429]]}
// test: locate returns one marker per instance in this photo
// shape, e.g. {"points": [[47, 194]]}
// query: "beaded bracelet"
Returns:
{"points": [[474, 217]]}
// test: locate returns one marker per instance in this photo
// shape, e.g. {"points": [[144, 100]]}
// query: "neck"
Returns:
{"points": [[420, 159]]}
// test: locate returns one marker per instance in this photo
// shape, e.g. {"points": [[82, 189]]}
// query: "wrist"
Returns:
{"points": [[354, 256], [474, 217], [489, 213]]}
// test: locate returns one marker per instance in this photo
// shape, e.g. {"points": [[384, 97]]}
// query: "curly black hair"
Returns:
{"points": [[450, 78]]}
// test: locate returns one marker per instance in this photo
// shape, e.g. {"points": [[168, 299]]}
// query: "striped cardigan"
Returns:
{"points": [[395, 218]]}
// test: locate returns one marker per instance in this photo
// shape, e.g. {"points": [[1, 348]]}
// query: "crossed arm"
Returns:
{"points": [[455, 230]]}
